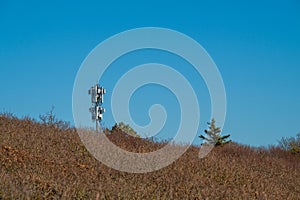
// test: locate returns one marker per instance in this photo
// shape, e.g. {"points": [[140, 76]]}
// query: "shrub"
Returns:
{"points": [[50, 119], [291, 144], [125, 128], [8, 115]]}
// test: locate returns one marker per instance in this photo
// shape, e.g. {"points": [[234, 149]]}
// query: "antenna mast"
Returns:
{"points": [[97, 92]]}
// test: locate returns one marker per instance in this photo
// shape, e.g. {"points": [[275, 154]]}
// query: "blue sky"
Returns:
{"points": [[256, 46]]}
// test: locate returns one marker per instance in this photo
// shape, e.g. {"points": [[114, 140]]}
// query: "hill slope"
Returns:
{"points": [[40, 161]]}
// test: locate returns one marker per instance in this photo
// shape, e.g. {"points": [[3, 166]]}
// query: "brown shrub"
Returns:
{"points": [[40, 161]]}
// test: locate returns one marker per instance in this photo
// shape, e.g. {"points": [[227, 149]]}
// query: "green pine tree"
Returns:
{"points": [[213, 135]]}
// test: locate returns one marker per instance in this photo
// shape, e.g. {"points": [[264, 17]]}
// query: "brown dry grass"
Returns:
{"points": [[43, 162]]}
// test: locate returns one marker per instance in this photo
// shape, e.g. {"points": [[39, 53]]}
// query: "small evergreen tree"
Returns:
{"points": [[213, 135]]}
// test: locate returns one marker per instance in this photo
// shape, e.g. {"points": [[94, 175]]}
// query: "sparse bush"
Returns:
{"points": [[213, 135], [50, 119], [291, 144], [8, 115], [125, 128]]}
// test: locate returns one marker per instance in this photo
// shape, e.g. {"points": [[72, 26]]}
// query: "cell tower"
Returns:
{"points": [[97, 110]]}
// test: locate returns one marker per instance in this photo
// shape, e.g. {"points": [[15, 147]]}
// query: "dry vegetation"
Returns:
{"points": [[40, 161]]}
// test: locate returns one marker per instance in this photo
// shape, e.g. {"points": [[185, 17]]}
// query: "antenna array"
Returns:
{"points": [[97, 93]]}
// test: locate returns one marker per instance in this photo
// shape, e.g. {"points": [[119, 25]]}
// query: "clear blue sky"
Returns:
{"points": [[256, 46]]}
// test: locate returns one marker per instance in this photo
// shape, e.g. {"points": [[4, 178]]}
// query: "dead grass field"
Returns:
{"points": [[43, 162]]}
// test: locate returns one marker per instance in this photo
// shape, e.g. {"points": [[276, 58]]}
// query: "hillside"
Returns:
{"points": [[42, 161]]}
